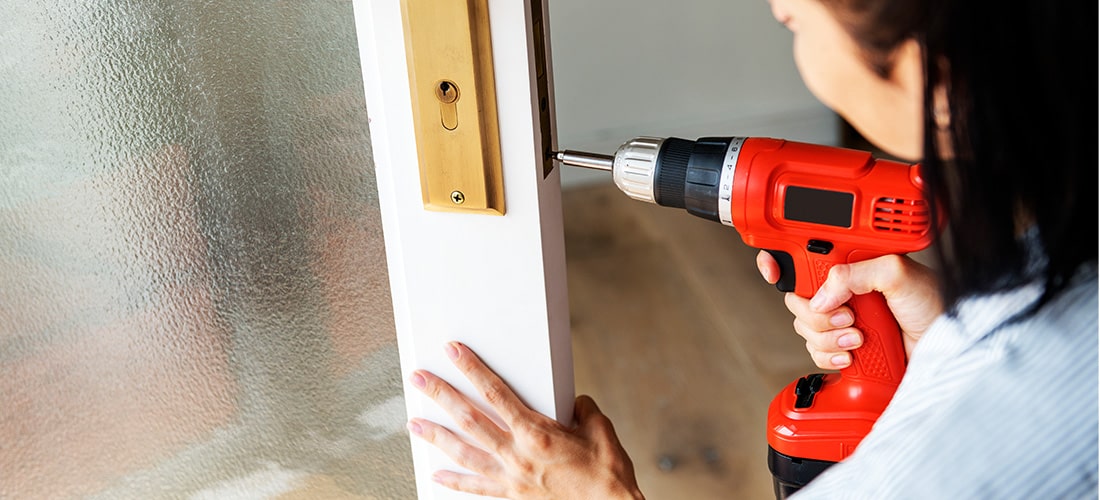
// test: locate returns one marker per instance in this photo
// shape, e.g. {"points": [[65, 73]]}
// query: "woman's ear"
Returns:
{"points": [[941, 111], [907, 78], [908, 68]]}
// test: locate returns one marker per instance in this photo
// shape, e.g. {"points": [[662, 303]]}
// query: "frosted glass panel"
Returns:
{"points": [[193, 291]]}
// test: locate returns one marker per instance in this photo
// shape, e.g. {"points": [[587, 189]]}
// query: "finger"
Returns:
{"points": [[461, 452], [839, 317], [830, 360], [767, 266], [594, 425], [884, 274], [466, 416], [834, 291], [585, 407], [910, 288], [591, 421], [492, 388], [830, 341], [478, 485]]}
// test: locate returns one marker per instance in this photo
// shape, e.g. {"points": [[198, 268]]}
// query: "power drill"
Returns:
{"points": [[811, 207]]}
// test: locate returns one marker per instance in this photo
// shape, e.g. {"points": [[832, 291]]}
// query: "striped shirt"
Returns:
{"points": [[988, 408]]}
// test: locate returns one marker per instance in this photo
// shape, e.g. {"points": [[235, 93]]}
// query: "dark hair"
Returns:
{"points": [[1022, 127]]}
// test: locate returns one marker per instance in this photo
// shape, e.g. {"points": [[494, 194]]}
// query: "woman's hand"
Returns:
{"points": [[909, 287], [532, 456]]}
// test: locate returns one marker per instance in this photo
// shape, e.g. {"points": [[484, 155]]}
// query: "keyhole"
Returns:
{"points": [[447, 93]]}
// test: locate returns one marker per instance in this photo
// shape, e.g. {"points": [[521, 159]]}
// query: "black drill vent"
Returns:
{"points": [[898, 215]]}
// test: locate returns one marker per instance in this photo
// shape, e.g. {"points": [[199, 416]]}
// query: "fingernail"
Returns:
{"points": [[414, 428], [452, 351], [418, 381], [840, 319], [848, 340], [769, 276], [840, 360]]}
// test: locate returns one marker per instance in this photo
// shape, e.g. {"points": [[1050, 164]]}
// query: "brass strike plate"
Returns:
{"points": [[542, 84], [454, 104]]}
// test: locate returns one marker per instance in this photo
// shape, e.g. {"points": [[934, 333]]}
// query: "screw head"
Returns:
{"points": [[457, 197]]}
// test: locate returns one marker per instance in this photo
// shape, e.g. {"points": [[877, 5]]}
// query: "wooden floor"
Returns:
{"points": [[679, 340]]}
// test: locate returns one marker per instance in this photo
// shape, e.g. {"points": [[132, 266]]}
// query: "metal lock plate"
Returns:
{"points": [[450, 62]]}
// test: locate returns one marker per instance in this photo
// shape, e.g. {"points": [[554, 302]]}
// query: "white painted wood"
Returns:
{"points": [[495, 283]]}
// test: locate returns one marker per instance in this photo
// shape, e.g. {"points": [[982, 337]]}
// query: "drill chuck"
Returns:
{"points": [[693, 175], [633, 167], [635, 170]]}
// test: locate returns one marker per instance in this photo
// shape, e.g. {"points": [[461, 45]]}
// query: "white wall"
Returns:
{"points": [[685, 68]]}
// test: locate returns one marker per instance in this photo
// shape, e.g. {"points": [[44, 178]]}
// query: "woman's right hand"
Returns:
{"points": [[911, 293]]}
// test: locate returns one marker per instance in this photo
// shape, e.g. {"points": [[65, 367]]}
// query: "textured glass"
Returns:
{"points": [[193, 291]]}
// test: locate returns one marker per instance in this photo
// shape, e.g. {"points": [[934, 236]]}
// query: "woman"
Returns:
{"points": [[999, 399]]}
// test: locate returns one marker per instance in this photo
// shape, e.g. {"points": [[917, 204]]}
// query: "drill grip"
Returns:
{"points": [[881, 358]]}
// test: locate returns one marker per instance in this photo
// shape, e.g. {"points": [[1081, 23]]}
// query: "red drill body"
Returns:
{"points": [[811, 207], [859, 208]]}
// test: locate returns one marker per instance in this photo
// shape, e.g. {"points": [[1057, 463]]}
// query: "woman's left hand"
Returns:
{"points": [[533, 456]]}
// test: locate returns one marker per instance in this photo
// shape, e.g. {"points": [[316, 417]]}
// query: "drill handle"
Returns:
{"points": [[881, 358]]}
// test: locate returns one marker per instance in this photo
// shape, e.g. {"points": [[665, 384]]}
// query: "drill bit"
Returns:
{"points": [[586, 160]]}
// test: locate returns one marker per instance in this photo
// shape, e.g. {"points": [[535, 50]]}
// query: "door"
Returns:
{"points": [[495, 282], [196, 297]]}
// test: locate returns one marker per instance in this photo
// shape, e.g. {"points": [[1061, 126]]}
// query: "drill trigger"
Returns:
{"points": [[786, 270]]}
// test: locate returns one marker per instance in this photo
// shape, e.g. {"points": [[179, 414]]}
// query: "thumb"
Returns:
{"points": [[845, 280], [835, 291], [591, 422], [584, 408]]}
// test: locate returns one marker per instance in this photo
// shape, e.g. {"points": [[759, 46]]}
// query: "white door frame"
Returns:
{"points": [[496, 283]]}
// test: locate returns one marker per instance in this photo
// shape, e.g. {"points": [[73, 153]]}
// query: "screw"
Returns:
{"points": [[457, 197]]}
